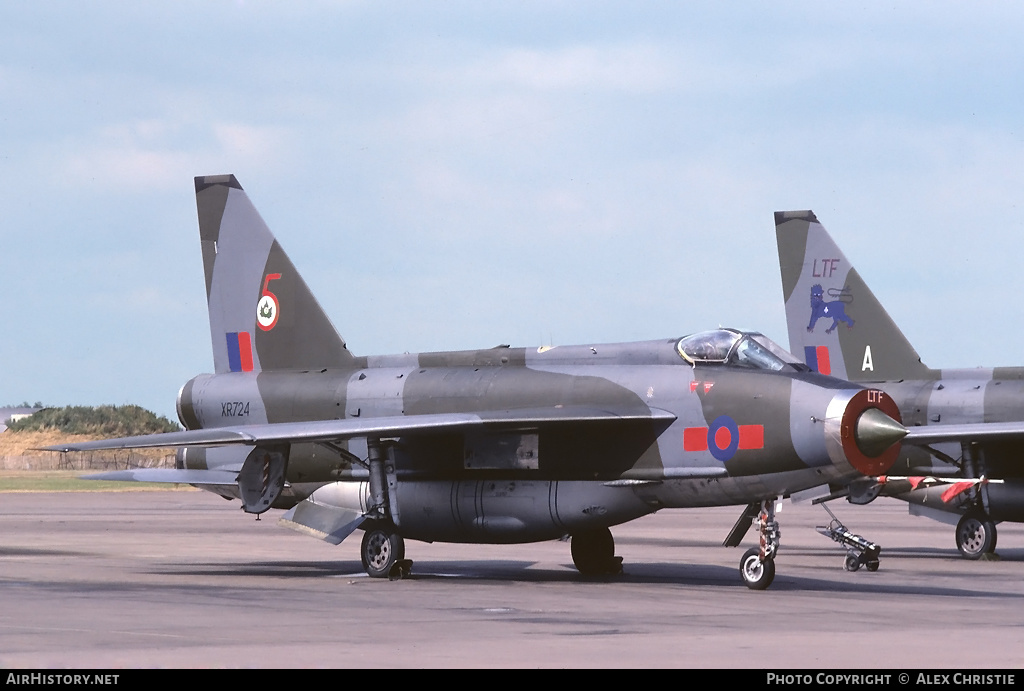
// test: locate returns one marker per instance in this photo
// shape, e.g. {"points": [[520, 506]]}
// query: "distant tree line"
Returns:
{"points": [[104, 420]]}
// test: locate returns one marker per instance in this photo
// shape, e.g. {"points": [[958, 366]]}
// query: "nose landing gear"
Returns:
{"points": [[757, 567]]}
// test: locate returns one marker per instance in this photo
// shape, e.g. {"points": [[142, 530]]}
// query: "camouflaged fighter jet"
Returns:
{"points": [[500, 445], [839, 328]]}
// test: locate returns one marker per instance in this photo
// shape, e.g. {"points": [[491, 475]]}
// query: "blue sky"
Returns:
{"points": [[462, 174]]}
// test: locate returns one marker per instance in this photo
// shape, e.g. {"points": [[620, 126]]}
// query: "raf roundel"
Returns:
{"points": [[266, 313], [723, 438], [267, 309]]}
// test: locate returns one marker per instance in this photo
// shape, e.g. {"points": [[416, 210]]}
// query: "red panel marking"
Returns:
{"points": [[695, 439], [693, 386], [824, 364], [245, 350], [751, 436]]}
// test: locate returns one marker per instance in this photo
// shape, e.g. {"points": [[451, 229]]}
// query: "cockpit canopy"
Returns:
{"points": [[738, 348]]}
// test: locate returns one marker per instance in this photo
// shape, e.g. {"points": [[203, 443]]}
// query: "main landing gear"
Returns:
{"points": [[383, 551], [593, 553], [976, 531], [976, 535], [757, 567]]}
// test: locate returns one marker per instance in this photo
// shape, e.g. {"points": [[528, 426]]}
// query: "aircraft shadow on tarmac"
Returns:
{"points": [[505, 571], [34, 552], [868, 585], [927, 553], [1009, 555], [684, 575]]}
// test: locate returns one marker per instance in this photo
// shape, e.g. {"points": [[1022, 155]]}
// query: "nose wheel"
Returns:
{"points": [[757, 567], [757, 573]]}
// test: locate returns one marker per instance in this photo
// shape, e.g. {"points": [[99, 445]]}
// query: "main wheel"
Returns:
{"points": [[757, 574], [975, 535], [852, 562], [593, 552], [382, 546]]}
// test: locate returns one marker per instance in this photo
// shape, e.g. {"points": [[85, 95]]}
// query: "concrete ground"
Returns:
{"points": [[185, 579]]}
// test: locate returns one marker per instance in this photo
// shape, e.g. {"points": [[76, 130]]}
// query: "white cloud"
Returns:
{"points": [[125, 167], [157, 155]]}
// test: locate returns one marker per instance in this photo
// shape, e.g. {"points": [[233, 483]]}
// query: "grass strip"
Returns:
{"points": [[70, 481]]}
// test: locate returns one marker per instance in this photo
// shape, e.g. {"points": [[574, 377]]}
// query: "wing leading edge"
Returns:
{"points": [[330, 430], [966, 432]]}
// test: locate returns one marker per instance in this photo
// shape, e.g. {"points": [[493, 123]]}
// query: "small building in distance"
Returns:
{"points": [[8, 415]]}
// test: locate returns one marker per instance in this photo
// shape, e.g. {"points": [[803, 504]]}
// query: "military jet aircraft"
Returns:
{"points": [[838, 327], [498, 445]]}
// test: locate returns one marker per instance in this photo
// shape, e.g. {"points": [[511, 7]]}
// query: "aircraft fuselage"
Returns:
{"points": [[965, 396], [734, 434]]}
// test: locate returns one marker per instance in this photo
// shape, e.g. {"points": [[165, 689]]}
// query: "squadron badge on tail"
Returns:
{"points": [[835, 310]]}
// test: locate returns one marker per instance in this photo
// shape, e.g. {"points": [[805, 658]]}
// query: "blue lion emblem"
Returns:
{"points": [[836, 310]]}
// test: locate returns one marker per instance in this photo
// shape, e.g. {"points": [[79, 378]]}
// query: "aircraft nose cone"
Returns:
{"points": [[876, 432], [863, 429]]}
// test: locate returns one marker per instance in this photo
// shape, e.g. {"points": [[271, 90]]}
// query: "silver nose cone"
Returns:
{"points": [[876, 432]]}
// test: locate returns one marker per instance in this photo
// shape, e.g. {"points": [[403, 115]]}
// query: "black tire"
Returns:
{"points": [[872, 566], [382, 546], [756, 574], [975, 535], [593, 552], [852, 563]]}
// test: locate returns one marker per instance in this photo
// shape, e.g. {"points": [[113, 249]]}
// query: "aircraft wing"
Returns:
{"points": [[974, 431], [331, 430], [178, 476]]}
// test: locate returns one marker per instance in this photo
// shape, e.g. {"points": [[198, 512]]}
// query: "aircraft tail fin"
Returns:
{"points": [[835, 322], [262, 314]]}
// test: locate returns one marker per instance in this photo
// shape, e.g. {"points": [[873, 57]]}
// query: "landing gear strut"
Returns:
{"points": [[383, 548], [757, 567], [975, 535], [593, 553], [976, 532]]}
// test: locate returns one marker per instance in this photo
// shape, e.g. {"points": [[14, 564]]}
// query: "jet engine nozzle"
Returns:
{"points": [[864, 429]]}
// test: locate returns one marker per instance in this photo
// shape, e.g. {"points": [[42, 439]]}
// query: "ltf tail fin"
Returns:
{"points": [[835, 322], [262, 315]]}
